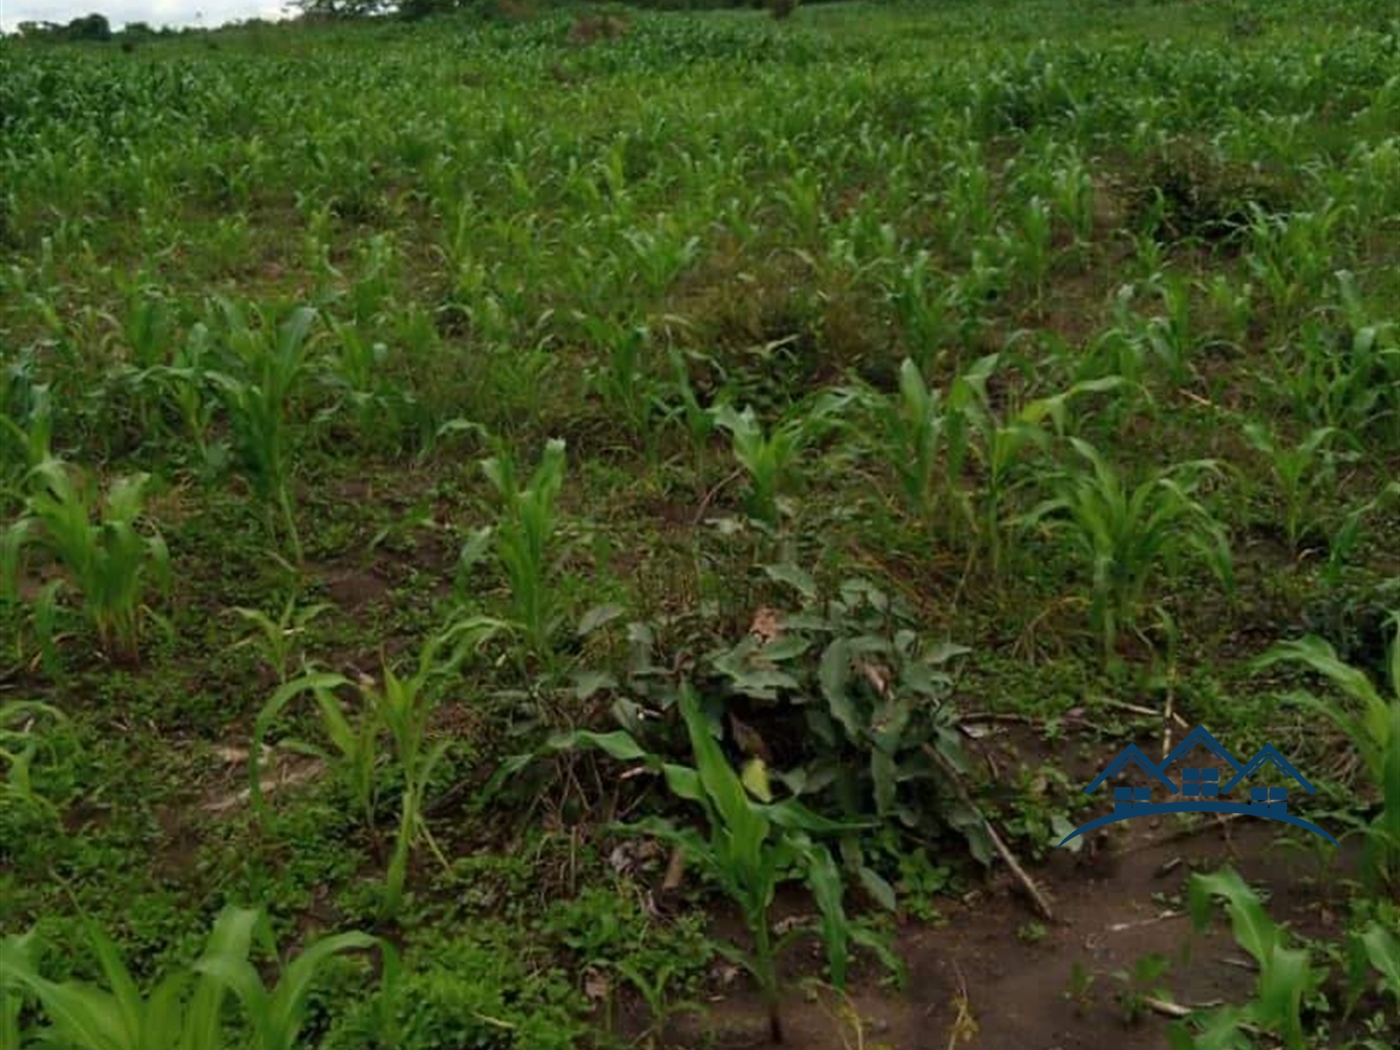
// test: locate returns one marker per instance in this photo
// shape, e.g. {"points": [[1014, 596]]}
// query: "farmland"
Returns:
{"points": [[597, 528]]}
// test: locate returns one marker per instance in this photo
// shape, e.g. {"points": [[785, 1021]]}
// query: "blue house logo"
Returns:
{"points": [[1201, 789]]}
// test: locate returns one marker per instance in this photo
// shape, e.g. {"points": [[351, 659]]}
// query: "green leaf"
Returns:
{"points": [[1284, 978], [798, 579], [599, 616], [835, 677], [1254, 931], [618, 744], [824, 878], [1382, 951]]}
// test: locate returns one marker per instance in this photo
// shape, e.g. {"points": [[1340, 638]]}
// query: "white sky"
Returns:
{"points": [[155, 12]]}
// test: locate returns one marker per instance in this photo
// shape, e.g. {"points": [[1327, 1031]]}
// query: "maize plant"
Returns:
{"points": [[522, 540], [1369, 717], [770, 456], [25, 727], [185, 1008], [1125, 533], [260, 386], [1302, 473], [911, 424], [378, 730], [751, 846], [987, 449], [99, 545], [1287, 974]]}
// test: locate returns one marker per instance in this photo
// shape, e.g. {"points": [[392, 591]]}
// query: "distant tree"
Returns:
{"points": [[343, 8], [40, 30], [89, 27]]}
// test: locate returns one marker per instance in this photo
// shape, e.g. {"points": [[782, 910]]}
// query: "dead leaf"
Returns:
{"points": [[767, 624], [748, 740], [877, 676], [596, 986]]}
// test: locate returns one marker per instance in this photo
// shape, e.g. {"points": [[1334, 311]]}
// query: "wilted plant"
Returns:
{"points": [[107, 559], [386, 726], [1124, 533], [1372, 727]]}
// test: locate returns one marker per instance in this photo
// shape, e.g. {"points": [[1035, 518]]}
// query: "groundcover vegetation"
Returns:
{"points": [[537, 530]]}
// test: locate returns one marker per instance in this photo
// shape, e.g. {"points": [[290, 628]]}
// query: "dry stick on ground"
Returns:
{"points": [[1027, 883], [1179, 1012], [675, 871], [1167, 725], [710, 496], [1146, 712]]}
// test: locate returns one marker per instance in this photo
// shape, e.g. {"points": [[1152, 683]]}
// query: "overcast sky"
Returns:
{"points": [[156, 12]]}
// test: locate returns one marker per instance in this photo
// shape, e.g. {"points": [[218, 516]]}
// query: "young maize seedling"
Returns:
{"points": [[621, 378], [387, 725], [22, 740], [973, 432], [751, 848], [26, 430], [522, 539], [922, 310], [184, 1009], [1371, 722], [912, 423], [1124, 533], [277, 638], [770, 457], [699, 421], [1286, 975], [185, 383], [107, 559], [260, 389], [378, 401], [1301, 473], [1376, 949]]}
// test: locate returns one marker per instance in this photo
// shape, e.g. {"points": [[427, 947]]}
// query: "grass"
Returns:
{"points": [[690, 354]]}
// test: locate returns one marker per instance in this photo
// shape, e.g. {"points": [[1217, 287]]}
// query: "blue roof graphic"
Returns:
{"points": [[1268, 753], [1132, 753], [1201, 735], [1141, 803]]}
